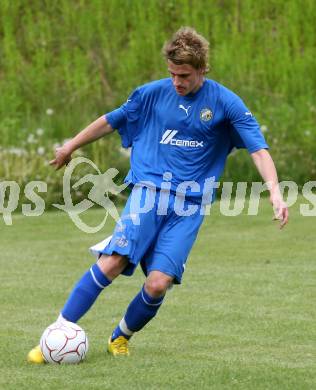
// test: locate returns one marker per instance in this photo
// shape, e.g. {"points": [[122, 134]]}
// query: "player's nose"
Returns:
{"points": [[176, 81]]}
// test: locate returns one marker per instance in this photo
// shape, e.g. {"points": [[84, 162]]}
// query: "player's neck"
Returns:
{"points": [[198, 86], [196, 89]]}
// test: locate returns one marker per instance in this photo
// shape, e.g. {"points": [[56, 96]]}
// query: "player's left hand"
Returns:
{"points": [[280, 209]]}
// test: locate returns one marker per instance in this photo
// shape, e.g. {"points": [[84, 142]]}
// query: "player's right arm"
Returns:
{"points": [[92, 132]]}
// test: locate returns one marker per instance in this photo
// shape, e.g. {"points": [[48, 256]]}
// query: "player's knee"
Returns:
{"points": [[112, 265], [157, 286]]}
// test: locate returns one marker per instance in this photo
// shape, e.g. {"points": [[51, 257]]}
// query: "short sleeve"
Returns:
{"points": [[244, 129], [126, 118]]}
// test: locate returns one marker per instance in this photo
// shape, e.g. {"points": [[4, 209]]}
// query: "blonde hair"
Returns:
{"points": [[187, 47]]}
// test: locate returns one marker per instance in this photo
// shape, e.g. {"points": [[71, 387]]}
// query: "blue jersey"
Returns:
{"points": [[189, 136]]}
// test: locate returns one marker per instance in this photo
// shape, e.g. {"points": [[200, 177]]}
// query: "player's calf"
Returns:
{"points": [[140, 311]]}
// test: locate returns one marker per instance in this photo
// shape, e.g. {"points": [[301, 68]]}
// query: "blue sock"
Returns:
{"points": [[139, 312], [84, 294]]}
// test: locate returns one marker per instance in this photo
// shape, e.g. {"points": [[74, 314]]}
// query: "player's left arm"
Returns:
{"points": [[250, 137], [265, 165]]}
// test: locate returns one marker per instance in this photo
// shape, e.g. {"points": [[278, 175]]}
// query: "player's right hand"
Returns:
{"points": [[62, 157], [280, 209]]}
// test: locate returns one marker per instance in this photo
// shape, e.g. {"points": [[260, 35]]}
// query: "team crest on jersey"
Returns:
{"points": [[206, 115]]}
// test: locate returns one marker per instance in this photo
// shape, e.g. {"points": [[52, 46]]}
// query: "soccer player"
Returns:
{"points": [[181, 130]]}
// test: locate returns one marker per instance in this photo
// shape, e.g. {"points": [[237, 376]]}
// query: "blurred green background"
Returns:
{"points": [[65, 62]]}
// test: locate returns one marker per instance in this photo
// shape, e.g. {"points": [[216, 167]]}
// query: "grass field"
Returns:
{"points": [[244, 317]]}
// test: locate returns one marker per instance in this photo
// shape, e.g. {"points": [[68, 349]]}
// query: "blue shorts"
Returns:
{"points": [[156, 236]]}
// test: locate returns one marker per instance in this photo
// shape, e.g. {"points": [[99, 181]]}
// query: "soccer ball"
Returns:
{"points": [[64, 342]]}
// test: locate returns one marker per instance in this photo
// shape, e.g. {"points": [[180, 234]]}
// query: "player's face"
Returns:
{"points": [[185, 78]]}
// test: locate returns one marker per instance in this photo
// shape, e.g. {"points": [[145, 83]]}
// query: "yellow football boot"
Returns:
{"points": [[35, 356], [118, 347]]}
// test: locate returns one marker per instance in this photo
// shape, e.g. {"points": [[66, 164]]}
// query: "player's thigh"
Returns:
{"points": [[173, 245], [134, 233]]}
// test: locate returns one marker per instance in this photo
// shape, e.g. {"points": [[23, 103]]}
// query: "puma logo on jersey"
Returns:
{"points": [[185, 109], [168, 138]]}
